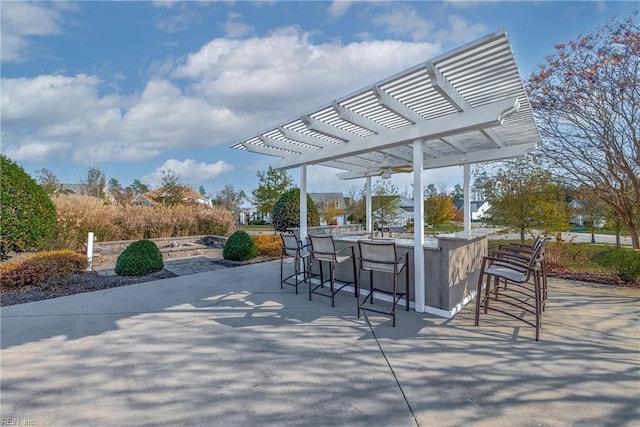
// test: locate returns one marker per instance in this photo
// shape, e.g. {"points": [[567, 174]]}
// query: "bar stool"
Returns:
{"points": [[293, 247], [383, 257], [323, 250]]}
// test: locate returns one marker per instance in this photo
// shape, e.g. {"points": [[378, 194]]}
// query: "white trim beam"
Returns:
{"points": [[467, 197], [301, 137], [449, 140], [482, 117], [271, 142], [396, 106], [493, 137], [264, 149], [479, 156], [418, 228], [358, 120], [326, 129], [444, 88]]}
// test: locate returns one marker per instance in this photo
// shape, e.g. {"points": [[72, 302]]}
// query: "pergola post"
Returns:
{"points": [[418, 227], [303, 203], [467, 198], [368, 205]]}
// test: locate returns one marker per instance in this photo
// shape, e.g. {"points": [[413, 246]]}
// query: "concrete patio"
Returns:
{"points": [[229, 348]]}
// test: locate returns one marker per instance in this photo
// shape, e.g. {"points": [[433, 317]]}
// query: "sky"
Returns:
{"points": [[138, 87]]}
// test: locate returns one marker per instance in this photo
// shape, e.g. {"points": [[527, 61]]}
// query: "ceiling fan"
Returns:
{"points": [[387, 167]]}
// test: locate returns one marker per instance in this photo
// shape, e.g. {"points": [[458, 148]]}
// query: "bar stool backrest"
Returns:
{"points": [[290, 244], [323, 248], [378, 256]]}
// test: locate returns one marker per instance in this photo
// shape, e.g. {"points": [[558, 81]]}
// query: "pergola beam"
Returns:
{"points": [[486, 116], [479, 156], [396, 106], [358, 120], [444, 88]]}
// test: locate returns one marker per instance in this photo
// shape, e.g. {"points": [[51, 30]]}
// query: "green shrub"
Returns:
{"points": [[286, 211], [27, 213], [41, 267], [239, 247], [139, 259], [623, 263]]}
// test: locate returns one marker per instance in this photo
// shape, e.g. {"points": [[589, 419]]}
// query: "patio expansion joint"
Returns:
{"points": [[386, 359]]}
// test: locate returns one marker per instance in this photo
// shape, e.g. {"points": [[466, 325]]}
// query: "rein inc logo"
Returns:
{"points": [[17, 422]]}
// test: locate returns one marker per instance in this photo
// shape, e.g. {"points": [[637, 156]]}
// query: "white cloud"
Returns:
{"points": [[338, 8], [233, 88], [405, 21], [21, 22], [186, 16], [190, 171], [285, 72], [234, 27]]}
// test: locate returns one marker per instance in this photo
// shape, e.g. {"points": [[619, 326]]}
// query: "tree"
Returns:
{"points": [[95, 183], [457, 195], [118, 193], [525, 198], [479, 184], [231, 199], [592, 208], [138, 187], [202, 191], [430, 190], [385, 203], [272, 183], [286, 211], [586, 100], [355, 204], [172, 189], [28, 217], [48, 181], [438, 209]]}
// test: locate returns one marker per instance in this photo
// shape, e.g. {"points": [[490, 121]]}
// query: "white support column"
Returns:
{"points": [[467, 198], [418, 227], [368, 205], [303, 203], [90, 251]]}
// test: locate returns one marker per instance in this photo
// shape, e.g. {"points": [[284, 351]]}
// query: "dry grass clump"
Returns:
{"points": [[41, 267], [268, 244], [78, 215]]}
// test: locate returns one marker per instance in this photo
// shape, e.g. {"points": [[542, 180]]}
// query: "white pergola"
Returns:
{"points": [[466, 106]]}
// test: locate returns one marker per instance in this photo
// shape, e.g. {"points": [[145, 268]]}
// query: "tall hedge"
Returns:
{"points": [[28, 219], [286, 211]]}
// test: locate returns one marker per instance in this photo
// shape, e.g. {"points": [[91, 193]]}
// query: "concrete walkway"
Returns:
{"points": [[229, 348]]}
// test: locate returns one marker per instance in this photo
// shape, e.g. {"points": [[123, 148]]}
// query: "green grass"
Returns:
{"points": [[577, 256]]}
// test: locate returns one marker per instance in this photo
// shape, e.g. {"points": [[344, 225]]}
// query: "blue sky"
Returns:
{"points": [[138, 87]]}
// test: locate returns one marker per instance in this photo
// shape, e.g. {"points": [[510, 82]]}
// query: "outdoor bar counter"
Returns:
{"points": [[452, 264]]}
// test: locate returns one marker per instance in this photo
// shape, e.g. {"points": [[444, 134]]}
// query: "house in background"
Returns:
{"points": [[406, 210], [480, 210], [331, 207]]}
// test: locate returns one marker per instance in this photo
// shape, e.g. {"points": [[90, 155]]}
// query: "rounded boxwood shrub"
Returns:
{"points": [[139, 259], [28, 215], [239, 247], [286, 211]]}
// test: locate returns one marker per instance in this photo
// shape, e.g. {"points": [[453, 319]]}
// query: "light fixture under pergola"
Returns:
{"points": [[466, 106]]}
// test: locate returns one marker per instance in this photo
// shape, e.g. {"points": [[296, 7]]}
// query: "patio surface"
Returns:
{"points": [[229, 348]]}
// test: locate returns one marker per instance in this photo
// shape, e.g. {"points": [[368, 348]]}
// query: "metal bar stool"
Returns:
{"points": [[293, 247], [525, 292], [383, 257], [323, 250]]}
